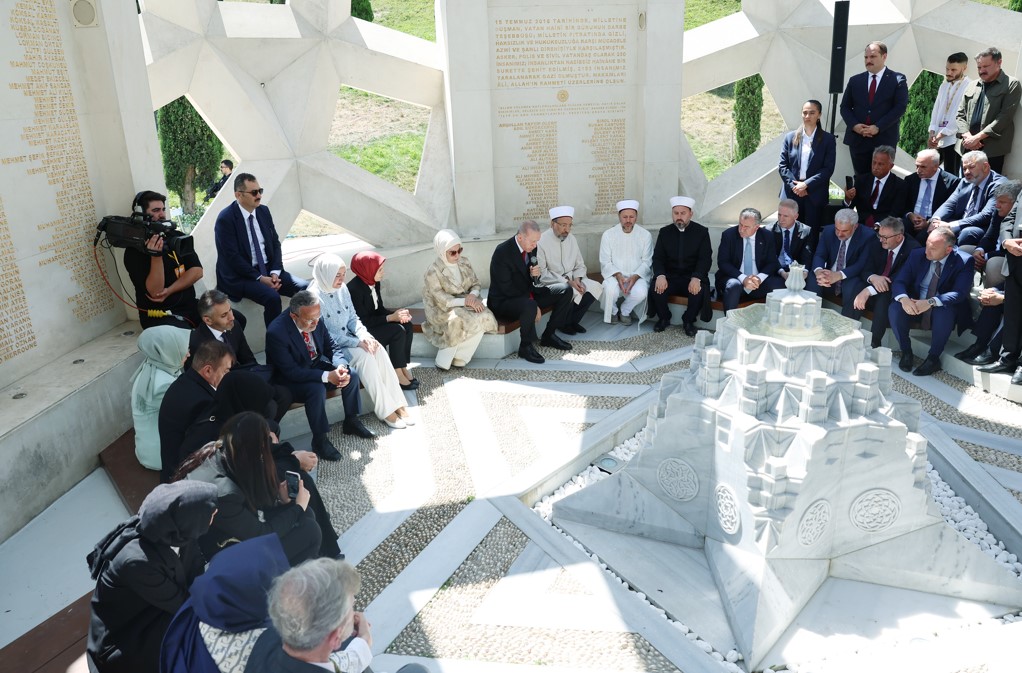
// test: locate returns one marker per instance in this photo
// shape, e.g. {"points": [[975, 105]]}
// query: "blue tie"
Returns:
{"points": [[748, 265]]}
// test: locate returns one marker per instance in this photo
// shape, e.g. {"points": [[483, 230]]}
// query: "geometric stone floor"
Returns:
{"points": [[460, 574]]}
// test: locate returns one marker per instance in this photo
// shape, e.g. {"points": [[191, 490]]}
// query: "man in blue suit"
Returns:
{"points": [[968, 211], [932, 287], [844, 251], [872, 106], [305, 361], [248, 260], [747, 265]]}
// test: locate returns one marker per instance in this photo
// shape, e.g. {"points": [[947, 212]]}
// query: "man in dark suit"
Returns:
{"points": [[879, 194], [932, 286], [969, 209], [516, 295], [792, 239], [1011, 335], [222, 323], [747, 265], [986, 115], [887, 261], [989, 254], [806, 179], [304, 360], [188, 399], [926, 190], [845, 249], [872, 106], [249, 263], [682, 258]]}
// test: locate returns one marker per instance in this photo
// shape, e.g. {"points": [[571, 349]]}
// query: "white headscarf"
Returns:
{"points": [[444, 240], [324, 271]]}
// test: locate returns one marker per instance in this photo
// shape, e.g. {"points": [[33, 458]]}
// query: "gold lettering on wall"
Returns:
{"points": [[16, 333]]}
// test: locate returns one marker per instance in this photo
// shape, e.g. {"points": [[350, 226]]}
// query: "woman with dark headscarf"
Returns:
{"points": [[141, 581], [392, 328], [250, 499], [217, 627], [244, 391]]}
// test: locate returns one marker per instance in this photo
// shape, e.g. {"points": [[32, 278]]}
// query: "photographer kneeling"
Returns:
{"points": [[164, 279]]}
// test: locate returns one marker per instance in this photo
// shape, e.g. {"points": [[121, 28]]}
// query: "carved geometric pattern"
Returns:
{"points": [[678, 479], [875, 510], [727, 509], [814, 522]]}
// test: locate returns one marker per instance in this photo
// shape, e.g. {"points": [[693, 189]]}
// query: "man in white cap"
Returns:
{"points": [[626, 262], [561, 266], [681, 265]]}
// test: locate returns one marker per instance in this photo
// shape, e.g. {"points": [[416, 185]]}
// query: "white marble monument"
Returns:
{"points": [[786, 457]]}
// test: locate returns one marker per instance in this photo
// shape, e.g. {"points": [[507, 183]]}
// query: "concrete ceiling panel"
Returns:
{"points": [[193, 15], [713, 70], [304, 96], [171, 76], [323, 15], [388, 76], [161, 38]]}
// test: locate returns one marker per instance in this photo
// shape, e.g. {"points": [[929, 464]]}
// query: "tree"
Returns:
{"points": [[747, 113], [915, 124], [362, 9], [1015, 5], [191, 152]]}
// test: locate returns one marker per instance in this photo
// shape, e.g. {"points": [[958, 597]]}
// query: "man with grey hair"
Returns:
{"points": [[877, 194], [989, 254], [517, 294], [844, 251], [926, 190], [305, 361], [986, 114], [747, 266], [312, 610], [887, 260], [968, 210], [792, 238]]}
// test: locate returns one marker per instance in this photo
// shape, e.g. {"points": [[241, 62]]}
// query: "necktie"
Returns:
{"points": [[787, 243], [889, 265], [872, 92], [926, 208], [976, 123], [931, 290], [309, 345], [973, 205], [839, 265], [871, 220], [260, 262], [748, 264]]}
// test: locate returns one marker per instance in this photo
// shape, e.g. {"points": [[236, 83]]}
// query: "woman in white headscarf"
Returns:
{"points": [[165, 348], [456, 317], [365, 353]]}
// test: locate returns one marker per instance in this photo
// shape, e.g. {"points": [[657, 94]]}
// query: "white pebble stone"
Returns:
{"points": [[732, 656], [692, 636], [717, 656], [704, 646]]}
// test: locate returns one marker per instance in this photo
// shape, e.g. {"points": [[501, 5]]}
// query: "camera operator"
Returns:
{"points": [[164, 280]]}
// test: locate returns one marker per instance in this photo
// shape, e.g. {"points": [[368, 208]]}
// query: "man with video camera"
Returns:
{"points": [[165, 276]]}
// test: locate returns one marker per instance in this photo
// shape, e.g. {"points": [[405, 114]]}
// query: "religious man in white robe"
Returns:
{"points": [[561, 265], [626, 262]]}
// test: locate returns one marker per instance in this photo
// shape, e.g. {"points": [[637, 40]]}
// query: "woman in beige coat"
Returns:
{"points": [[456, 317]]}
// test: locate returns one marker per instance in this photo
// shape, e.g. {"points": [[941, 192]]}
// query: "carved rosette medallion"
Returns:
{"points": [[814, 522], [678, 479], [875, 510], [727, 509]]}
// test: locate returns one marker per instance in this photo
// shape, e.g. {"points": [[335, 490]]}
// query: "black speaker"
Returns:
{"points": [[838, 48]]}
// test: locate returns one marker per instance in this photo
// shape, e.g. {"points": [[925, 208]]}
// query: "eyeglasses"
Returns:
{"points": [[455, 253], [887, 238], [253, 192]]}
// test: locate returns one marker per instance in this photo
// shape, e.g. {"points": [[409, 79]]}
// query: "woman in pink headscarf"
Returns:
{"points": [[392, 328]]}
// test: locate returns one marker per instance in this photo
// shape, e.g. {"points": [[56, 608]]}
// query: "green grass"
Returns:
{"points": [[699, 12], [994, 3], [395, 158], [414, 17]]}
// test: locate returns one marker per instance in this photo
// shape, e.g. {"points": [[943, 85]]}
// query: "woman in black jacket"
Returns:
{"points": [[250, 500], [393, 329], [141, 580]]}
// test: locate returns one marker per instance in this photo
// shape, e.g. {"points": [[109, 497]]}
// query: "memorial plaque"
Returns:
{"points": [[563, 82]]}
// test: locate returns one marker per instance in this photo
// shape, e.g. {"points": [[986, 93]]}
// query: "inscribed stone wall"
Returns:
{"points": [[563, 81], [53, 297]]}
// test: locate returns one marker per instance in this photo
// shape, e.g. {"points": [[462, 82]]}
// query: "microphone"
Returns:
{"points": [[533, 262]]}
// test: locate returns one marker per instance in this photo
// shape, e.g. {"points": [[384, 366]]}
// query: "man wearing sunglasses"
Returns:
{"points": [[249, 261]]}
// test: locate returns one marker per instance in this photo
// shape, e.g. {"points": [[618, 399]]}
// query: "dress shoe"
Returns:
{"points": [[906, 362], [579, 329], [984, 358], [690, 328], [626, 319], [569, 330], [324, 448], [1016, 378], [553, 341], [970, 352], [661, 325], [876, 344], [529, 352], [396, 424], [353, 426], [411, 385], [613, 318], [930, 364], [1000, 367]]}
